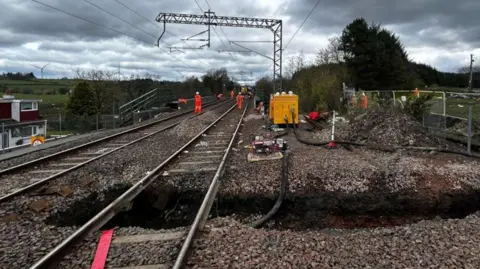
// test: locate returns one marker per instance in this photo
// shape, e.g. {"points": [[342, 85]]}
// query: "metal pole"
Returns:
{"points": [[97, 121], [113, 113], [469, 138], [3, 137], [60, 123], [45, 131], [333, 126], [471, 74]]}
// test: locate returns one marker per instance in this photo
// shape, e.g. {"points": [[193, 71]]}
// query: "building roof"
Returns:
{"points": [[11, 99]]}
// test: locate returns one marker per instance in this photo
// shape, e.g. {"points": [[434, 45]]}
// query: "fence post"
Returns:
{"points": [[3, 137], [96, 121], [444, 104], [469, 138], [394, 101], [45, 130], [60, 123]]}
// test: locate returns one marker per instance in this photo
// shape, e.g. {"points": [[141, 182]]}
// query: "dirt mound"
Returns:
{"points": [[387, 127], [190, 128]]}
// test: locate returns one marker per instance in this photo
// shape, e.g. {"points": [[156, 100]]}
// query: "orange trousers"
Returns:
{"points": [[239, 104], [198, 109]]}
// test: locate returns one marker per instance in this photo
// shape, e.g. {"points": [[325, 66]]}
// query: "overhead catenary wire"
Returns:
{"points": [[113, 15], [170, 33], [109, 28], [300, 27], [221, 29], [215, 31]]}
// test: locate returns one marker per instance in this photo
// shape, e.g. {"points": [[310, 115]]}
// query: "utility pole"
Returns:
{"points": [[471, 74], [209, 18]]}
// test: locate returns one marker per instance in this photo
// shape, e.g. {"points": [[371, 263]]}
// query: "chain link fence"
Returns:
{"points": [[450, 115]]}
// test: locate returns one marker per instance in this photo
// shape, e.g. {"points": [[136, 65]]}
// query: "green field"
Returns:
{"points": [[457, 107], [37, 86], [57, 100]]}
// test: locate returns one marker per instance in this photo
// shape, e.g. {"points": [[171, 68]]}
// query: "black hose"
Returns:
{"points": [[386, 148], [281, 195]]}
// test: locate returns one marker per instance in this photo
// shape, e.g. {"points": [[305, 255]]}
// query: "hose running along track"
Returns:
{"points": [[35, 173], [210, 159]]}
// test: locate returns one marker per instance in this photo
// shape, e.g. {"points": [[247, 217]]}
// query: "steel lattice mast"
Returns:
{"points": [[210, 19]]}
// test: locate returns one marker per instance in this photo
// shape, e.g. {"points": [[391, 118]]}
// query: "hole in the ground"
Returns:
{"points": [[169, 208]]}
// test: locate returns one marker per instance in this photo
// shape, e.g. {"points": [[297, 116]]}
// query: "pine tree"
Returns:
{"points": [[82, 100], [375, 57]]}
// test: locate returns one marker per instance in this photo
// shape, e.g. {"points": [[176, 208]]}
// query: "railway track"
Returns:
{"points": [[33, 174], [193, 157]]}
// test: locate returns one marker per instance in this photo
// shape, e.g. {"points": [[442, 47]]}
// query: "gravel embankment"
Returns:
{"points": [[93, 187], [94, 136], [427, 244]]}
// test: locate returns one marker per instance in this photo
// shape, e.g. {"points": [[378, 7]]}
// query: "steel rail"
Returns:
{"points": [[47, 179], [117, 205], [202, 214], [56, 154]]}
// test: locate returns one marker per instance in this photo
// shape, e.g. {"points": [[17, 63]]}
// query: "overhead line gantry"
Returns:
{"points": [[211, 19]]}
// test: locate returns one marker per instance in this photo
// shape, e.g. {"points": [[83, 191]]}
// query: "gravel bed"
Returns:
{"points": [[102, 181], [202, 180], [121, 255], [120, 163], [94, 136], [22, 244], [427, 244]]}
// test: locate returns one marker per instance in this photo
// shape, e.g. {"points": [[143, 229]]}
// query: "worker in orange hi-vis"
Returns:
{"points": [[364, 101], [416, 93], [198, 103], [239, 100], [182, 100], [232, 94]]}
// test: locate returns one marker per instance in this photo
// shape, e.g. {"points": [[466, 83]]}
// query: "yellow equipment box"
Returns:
{"points": [[281, 108]]}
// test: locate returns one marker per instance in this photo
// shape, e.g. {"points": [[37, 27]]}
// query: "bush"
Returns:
{"points": [[417, 107]]}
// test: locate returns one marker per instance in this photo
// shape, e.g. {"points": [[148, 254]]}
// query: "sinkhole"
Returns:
{"points": [[165, 208]]}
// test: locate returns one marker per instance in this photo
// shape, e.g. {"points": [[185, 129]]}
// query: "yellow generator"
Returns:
{"points": [[281, 107]]}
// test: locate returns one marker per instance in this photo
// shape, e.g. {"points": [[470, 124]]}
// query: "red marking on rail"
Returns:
{"points": [[102, 250]]}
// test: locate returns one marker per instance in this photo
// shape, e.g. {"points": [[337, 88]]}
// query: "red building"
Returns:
{"points": [[19, 121]]}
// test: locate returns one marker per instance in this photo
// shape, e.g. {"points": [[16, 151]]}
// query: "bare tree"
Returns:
{"points": [[466, 69], [331, 53], [295, 64]]}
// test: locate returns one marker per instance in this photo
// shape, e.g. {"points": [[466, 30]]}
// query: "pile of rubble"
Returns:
{"points": [[387, 127]]}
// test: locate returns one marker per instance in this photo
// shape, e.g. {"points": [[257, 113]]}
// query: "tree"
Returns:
{"points": [[215, 79], [320, 87], [295, 64], [375, 57], [82, 101], [332, 53]]}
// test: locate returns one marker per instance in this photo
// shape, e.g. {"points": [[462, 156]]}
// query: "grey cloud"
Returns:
{"points": [[414, 14], [71, 43]]}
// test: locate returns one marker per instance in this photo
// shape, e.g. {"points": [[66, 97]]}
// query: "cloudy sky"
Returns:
{"points": [[441, 33]]}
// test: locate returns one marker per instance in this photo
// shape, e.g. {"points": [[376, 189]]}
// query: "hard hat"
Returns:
{"points": [[363, 94], [197, 93], [290, 92], [283, 93]]}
